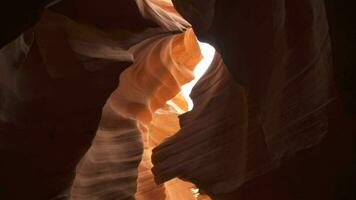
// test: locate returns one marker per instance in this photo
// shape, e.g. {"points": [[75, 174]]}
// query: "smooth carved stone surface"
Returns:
{"points": [[211, 146], [277, 51], [67, 52], [164, 124], [162, 12], [241, 31], [143, 94], [152, 81], [46, 124], [286, 69], [109, 169], [162, 64]]}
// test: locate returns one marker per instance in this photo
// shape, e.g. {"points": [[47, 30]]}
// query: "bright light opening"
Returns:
{"points": [[208, 53]]}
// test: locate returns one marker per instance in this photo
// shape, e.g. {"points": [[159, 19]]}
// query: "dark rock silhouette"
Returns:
{"points": [[273, 117]]}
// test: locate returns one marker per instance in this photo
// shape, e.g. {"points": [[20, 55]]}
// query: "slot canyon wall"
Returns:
{"points": [[91, 106]]}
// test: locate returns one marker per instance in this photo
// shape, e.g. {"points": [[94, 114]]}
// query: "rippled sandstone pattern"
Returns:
{"points": [[266, 121]]}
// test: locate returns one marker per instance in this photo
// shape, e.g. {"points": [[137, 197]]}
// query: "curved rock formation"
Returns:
{"points": [[46, 116], [41, 109], [163, 63], [280, 52], [213, 136], [266, 116], [145, 87]]}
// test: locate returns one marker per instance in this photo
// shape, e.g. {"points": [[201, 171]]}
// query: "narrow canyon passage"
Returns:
{"points": [[177, 100]]}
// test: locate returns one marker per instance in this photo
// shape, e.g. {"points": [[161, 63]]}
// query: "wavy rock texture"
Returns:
{"points": [[289, 90], [41, 110], [163, 64], [163, 13], [165, 123], [277, 51], [84, 50], [213, 136], [109, 168]]}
